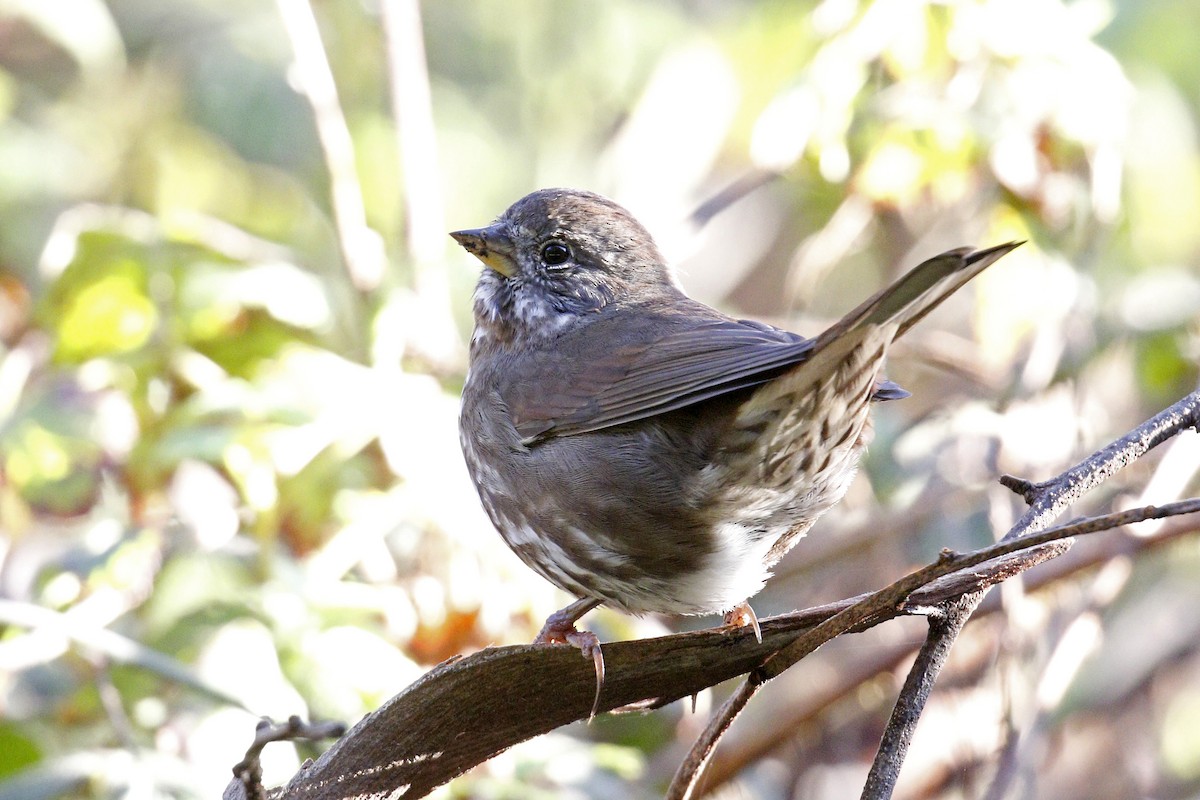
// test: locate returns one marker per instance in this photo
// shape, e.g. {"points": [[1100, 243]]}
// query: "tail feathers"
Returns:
{"points": [[846, 359], [908, 300], [860, 340]]}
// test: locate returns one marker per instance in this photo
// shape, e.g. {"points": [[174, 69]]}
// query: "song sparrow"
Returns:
{"points": [[640, 449]]}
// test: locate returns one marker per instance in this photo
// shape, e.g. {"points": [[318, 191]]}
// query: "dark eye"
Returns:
{"points": [[555, 254]]}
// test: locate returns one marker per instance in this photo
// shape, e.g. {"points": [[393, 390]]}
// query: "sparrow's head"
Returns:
{"points": [[556, 256]]}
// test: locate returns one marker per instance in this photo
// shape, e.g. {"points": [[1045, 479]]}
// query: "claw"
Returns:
{"points": [[743, 616], [560, 629], [589, 645]]}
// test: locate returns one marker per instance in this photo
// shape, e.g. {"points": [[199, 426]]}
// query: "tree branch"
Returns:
{"points": [[247, 774], [461, 712], [802, 711], [1047, 500], [467, 710], [944, 627]]}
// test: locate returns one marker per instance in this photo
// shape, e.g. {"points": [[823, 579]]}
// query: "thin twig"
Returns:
{"points": [[886, 602], [19, 651], [1049, 499], [114, 709], [416, 144], [361, 248], [944, 627], [424, 220], [1046, 500], [691, 769], [732, 193], [851, 675], [248, 772]]}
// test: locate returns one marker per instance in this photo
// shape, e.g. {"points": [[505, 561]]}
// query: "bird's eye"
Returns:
{"points": [[555, 254]]}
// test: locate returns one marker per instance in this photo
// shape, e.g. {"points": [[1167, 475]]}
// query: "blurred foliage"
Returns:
{"points": [[229, 478]]}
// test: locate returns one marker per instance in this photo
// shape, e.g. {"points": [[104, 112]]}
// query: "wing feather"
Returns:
{"points": [[671, 365], [643, 362]]}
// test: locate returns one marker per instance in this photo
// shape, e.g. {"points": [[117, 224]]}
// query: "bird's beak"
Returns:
{"points": [[492, 246]]}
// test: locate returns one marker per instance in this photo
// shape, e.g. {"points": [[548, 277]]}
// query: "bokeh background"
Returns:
{"points": [[232, 337]]}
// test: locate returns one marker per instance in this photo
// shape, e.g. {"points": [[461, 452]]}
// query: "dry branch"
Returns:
{"points": [[467, 710]]}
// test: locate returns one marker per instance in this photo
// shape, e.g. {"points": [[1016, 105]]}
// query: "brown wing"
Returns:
{"points": [[640, 363], [635, 363]]}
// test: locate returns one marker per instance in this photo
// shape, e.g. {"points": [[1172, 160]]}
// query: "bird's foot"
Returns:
{"points": [[743, 616], [560, 629]]}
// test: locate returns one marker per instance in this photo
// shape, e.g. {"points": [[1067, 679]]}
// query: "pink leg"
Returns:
{"points": [[743, 616], [560, 629]]}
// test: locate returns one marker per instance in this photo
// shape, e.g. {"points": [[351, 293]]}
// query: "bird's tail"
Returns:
{"points": [[834, 386], [909, 299]]}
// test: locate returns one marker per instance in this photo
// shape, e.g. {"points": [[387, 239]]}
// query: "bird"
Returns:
{"points": [[640, 449]]}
